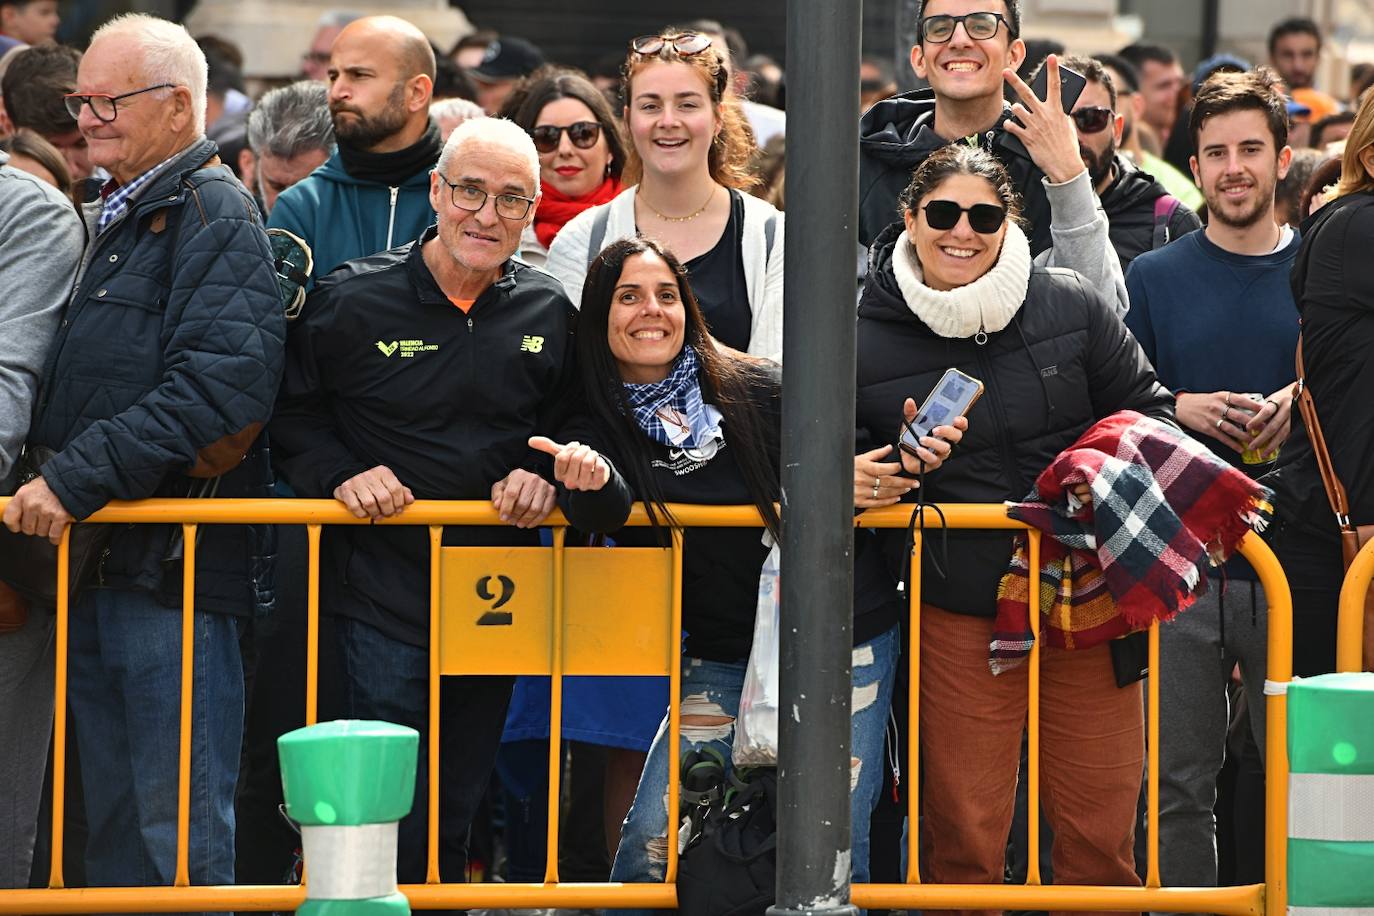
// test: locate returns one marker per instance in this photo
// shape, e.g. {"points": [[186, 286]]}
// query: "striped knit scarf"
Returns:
{"points": [[1163, 509]]}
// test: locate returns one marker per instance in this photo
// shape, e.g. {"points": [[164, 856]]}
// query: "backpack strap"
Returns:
{"points": [[603, 214], [1166, 205]]}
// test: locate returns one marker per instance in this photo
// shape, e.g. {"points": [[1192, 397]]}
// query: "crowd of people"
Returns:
{"points": [[480, 275]]}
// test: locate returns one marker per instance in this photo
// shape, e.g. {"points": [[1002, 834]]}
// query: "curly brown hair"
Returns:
{"points": [[733, 148]]}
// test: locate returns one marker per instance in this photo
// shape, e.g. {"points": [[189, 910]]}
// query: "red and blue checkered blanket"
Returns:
{"points": [[1163, 509]]}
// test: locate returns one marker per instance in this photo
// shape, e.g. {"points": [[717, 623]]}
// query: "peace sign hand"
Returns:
{"points": [[1046, 130], [575, 466]]}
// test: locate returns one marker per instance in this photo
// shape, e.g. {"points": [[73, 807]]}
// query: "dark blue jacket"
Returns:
{"points": [[172, 341]]}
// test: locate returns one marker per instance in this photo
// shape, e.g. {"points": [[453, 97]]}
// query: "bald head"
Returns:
{"points": [[395, 38], [381, 79]]}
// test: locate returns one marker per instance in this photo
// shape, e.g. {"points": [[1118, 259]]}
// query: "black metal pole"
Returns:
{"points": [[818, 458], [1211, 16]]}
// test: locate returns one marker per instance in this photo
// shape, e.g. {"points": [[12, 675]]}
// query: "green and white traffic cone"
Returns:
{"points": [[348, 784], [1331, 795]]}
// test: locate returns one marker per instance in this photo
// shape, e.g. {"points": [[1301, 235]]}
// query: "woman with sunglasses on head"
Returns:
{"points": [[685, 421], [581, 156], [581, 150], [688, 162], [953, 286]]}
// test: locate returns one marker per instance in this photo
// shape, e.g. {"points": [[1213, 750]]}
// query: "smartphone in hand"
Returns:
{"points": [[952, 397]]}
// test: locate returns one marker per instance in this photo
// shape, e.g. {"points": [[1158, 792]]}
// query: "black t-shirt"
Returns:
{"points": [[717, 279], [720, 566]]}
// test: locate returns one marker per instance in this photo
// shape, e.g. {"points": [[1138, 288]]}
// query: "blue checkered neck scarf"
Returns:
{"points": [[671, 412]]}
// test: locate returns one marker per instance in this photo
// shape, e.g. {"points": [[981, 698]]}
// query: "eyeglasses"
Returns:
{"points": [[686, 44], [468, 197], [982, 218], [1092, 120], [583, 135], [978, 26], [102, 104]]}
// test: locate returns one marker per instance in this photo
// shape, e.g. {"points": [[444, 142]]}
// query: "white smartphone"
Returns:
{"points": [[951, 398]]}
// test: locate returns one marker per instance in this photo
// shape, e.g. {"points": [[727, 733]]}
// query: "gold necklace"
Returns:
{"points": [[678, 219]]}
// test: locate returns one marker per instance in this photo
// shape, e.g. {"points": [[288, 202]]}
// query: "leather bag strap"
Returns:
{"points": [[1335, 491]]}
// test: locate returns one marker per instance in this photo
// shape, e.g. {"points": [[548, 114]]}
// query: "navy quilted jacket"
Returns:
{"points": [[173, 339]]}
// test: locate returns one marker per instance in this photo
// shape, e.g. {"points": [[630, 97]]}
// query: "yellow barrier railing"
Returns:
{"points": [[1267, 899], [1350, 622]]}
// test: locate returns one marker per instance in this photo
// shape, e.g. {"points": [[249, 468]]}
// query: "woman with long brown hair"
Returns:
{"points": [[581, 150]]}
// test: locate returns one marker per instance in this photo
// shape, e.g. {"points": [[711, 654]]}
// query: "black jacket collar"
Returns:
{"points": [[428, 288]]}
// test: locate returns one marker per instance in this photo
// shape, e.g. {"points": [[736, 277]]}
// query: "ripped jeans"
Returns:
{"points": [[712, 689]]}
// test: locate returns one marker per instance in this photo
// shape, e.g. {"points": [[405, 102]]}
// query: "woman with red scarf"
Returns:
{"points": [[581, 151]]}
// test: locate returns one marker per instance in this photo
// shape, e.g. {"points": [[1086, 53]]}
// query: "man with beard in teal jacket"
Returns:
{"points": [[373, 193]]}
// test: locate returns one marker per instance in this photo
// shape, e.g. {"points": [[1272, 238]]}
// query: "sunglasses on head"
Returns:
{"points": [[1092, 120], [686, 44], [982, 218], [583, 135]]}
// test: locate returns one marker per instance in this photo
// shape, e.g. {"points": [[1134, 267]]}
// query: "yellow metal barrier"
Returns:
{"points": [[575, 642], [1350, 623]]}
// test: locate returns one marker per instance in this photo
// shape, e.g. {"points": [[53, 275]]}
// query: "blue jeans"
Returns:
{"points": [[389, 680], [713, 688], [125, 695]]}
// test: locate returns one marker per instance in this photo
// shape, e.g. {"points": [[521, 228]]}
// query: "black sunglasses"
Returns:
{"points": [[982, 218], [583, 135], [1092, 120], [686, 43], [978, 26]]}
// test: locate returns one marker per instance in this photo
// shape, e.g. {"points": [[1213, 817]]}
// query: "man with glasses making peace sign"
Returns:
{"points": [[966, 49], [421, 373], [1142, 214]]}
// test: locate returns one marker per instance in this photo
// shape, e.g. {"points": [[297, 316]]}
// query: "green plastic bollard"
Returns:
{"points": [[348, 784], [1331, 795]]}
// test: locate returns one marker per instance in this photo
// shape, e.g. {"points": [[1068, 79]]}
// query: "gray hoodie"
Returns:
{"points": [[41, 242]]}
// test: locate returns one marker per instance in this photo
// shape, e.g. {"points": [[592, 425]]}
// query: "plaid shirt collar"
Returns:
{"points": [[116, 197]]}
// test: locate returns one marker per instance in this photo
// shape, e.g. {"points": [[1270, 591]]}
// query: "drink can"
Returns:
{"points": [[1250, 456]]}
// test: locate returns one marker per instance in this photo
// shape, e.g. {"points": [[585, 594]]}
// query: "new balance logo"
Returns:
{"points": [[530, 344], [388, 348]]}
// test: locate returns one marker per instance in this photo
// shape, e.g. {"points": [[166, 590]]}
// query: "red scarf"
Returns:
{"points": [[556, 208]]}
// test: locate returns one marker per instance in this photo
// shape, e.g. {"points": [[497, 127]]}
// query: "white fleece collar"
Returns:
{"points": [[987, 304]]}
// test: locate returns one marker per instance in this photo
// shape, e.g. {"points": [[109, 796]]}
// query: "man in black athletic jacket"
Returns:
{"points": [[421, 372]]}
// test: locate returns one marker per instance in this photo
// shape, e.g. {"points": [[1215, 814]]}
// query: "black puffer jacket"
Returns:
{"points": [[1130, 204], [1063, 363], [897, 134], [173, 339]]}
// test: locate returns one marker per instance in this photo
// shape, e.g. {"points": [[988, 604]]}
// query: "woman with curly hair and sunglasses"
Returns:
{"points": [[953, 286], [581, 150], [681, 420], [688, 164]]}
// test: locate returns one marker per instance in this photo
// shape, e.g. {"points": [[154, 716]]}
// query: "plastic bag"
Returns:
{"points": [[756, 726]]}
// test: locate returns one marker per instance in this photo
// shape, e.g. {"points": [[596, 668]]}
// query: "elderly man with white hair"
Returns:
{"points": [[421, 373], [162, 374]]}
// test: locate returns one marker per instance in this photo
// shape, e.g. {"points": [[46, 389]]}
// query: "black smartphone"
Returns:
{"points": [[1071, 85], [952, 398]]}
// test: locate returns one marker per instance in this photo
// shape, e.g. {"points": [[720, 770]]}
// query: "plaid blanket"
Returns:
{"points": [[1163, 508]]}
